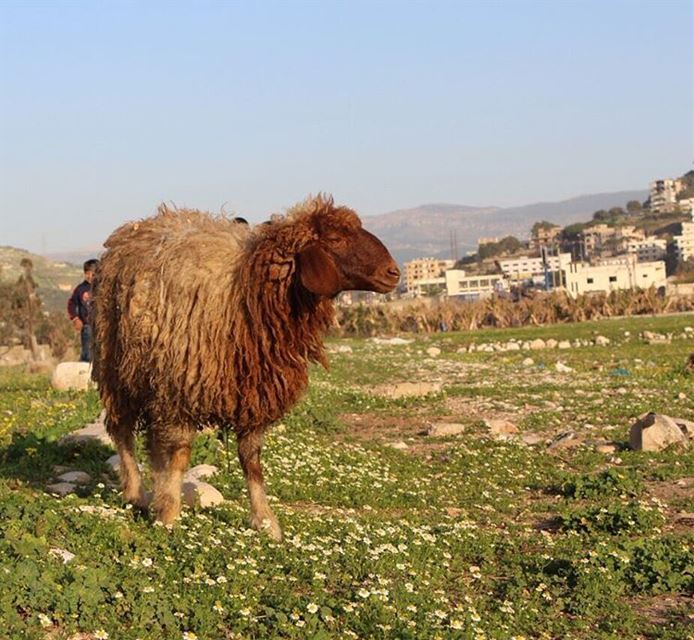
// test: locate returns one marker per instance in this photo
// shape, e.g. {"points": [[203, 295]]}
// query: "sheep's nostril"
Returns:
{"points": [[393, 272]]}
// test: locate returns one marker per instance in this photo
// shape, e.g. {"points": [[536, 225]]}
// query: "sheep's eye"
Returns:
{"points": [[334, 239]]}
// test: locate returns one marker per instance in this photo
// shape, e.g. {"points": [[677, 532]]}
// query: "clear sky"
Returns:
{"points": [[108, 108]]}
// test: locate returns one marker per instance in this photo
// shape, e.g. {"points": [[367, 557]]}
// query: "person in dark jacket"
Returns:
{"points": [[79, 309]]}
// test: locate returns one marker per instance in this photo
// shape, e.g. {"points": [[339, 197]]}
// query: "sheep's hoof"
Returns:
{"points": [[139, 500], [268, 526]]}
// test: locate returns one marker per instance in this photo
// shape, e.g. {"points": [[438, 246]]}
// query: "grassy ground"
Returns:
{"points": [[460, 537]]}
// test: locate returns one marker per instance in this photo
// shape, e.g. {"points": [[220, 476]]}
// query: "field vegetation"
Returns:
{"points": [[474, 536]]}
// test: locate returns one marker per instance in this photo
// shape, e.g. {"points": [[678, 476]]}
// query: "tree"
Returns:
{"points": [[616, 212], [601, 215], [543, 224], [634, 207]]}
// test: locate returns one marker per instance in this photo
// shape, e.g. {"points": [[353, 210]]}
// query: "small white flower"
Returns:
{"points": [[312, 607], [100, 634], [45, 621], [245, 612], [456, 624], [147, 562], [189, 635]]}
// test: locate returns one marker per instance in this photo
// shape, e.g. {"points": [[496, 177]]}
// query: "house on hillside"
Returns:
{"points": [[424, 274], [625, 272]]}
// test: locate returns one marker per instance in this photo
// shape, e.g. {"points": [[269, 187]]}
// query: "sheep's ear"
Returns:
{"points": [[318, 271]]}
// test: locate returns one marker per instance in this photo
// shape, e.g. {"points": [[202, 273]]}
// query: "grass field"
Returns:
{"points": [[471, 536]]}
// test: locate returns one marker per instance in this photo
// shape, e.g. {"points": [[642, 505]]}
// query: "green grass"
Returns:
{"points": [[459, 537]]}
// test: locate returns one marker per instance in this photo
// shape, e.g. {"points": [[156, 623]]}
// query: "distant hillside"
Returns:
{"points": [[426, 230], [56, 280]]}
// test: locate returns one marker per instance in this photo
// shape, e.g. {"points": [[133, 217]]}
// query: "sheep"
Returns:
{"points": [[200, 320]]}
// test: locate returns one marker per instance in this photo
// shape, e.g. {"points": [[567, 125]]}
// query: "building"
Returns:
{"points": [[600, 239], [543, 235], [684, 243], [611, 275], [473, 287], [424, 270], [663, 194], [648, 250], [524, 268], [487, 240]]}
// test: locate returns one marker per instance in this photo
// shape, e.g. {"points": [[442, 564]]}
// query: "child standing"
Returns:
{"points": [[79, 309]]}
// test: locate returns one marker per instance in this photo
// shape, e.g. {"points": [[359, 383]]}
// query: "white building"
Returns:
{"points": [[473, 287], [663, 194], [684, 243], [611, 275], [648, 250], [423, 270], [527, 268]]}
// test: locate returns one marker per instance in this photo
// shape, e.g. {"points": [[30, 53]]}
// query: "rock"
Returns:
{"points": [[655, 432], [199, 472], [340, 348], [689, 329], [499, 426], [528, 362], [565, 440], [686, 427], [114, 462], [564, 344], [72, 375], [537, 344], [622, 391], [445, 429], [408, 389], [200, 493], [63, 554], [461, 350], [398, 445], [512, 346], [562, 368], [432, 352], [606, 447], [391, 341], [94, 432], [602, 341], [686, 519], [61, 488], [551, 343], [531, 438], [525, 346], [75, 477]]}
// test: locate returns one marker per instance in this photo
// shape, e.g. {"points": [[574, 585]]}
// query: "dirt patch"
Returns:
{"points": [[665, 609], [371, 427]]}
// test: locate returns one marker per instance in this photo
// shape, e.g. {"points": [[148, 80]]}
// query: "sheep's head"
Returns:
{"points": [[343, 256]]}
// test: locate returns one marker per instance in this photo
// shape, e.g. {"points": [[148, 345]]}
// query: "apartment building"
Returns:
{"points": [[424, 270], [473, 287], [648, 250], [544, 235], [625, 272], [684, 243], [663, 194], [598, 238], [527, 268]]}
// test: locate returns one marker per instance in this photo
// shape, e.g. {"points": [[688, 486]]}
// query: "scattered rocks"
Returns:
{"points": [[564, 344], [551, 343], [512, 346], [75, 477], [72, 375], [537, 344], [61, 488], [528, 362], [200, 493], [498, 426], [606, 448], [445, 429], [602, 341], [391, 341], [655, 432], [199, 472], [94, 432], [340, 348], [432, 352], [562, 368], [408, 389], [531, 439]]}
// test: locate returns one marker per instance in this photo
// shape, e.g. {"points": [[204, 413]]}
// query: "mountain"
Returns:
{"points": [[56, 280], [426, 230]]}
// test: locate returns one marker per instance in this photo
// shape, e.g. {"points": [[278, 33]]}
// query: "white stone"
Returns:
{"points": [[398, 445], [409, 389], [655, 432], [199, 472], [445, 429], [512, 346], [528, 362], [432, 352], [531, 439], [562, 368], [564, 344], [61, 488], [63, 554], [552, 343], [537, 344], [602, 341], [114, 462], [94, 432], [75, 477], [72, 375], [391, 341], [200, 493]]}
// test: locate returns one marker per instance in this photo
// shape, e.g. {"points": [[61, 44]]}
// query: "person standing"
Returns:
{"points": [[79, 309]]}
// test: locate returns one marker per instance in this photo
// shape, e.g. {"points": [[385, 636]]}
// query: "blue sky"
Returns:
{"points": [[108, 108]]}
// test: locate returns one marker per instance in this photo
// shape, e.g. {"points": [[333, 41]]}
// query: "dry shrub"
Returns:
{"points": [[536, 309]]}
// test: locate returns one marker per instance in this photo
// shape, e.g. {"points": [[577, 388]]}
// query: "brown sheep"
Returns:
{"points": [[201, 321]]}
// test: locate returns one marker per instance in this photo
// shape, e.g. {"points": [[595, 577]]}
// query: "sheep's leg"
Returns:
{"points": [[123, 435], [169, 458], [262, 518]]}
